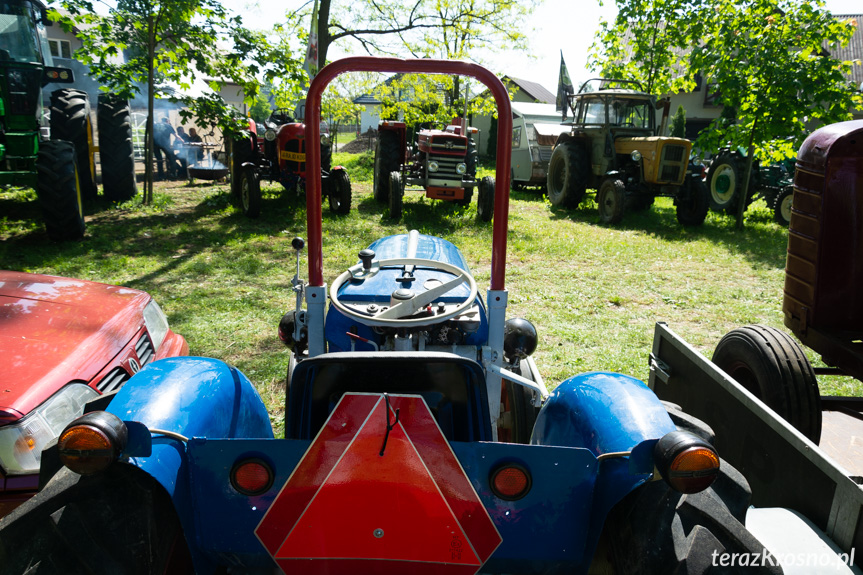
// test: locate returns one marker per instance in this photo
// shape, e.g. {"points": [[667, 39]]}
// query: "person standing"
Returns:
{"points": [[163, 133]]}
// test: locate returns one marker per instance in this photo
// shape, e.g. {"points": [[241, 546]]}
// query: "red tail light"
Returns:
{"points": [[252, 477], [510, 482]]}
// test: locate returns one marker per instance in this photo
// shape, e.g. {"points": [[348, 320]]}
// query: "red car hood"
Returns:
{"points": [[54, 330]]}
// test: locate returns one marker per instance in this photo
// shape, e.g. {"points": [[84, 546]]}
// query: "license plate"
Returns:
{"points": [[292, 156]]}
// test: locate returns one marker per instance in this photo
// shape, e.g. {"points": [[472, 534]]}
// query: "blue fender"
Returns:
{"points": [[193, 397], [607, 413]]}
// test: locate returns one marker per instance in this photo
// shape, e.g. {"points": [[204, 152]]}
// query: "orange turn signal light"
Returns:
{"points": [[688, 463], [92, 442]]}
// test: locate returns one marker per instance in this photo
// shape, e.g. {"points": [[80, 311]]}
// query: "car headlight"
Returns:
{"points": [[270, 135], [21, 443], [461, 169], [433, 166], [156, 323]]}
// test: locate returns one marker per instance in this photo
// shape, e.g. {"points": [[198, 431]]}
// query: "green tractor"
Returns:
{"points": [[60, 169]]}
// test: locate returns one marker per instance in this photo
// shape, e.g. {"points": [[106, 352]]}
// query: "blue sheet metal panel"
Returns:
{"points": [[603, 412], [195, 397], [548, 528], [428, 248], [225, 520]]}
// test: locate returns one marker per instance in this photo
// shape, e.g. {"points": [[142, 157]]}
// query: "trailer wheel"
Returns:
{"points": [[386, 162], [694, 203], [567, 175], [340, 192], [70, 121], [782, 206], [116, 152], [119, 521], [58, 191], [250, 192], [611, 198], [485, 199], [773, 367], [394, 194]]}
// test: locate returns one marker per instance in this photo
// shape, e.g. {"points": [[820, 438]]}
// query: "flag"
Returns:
{"points": [[311, 63], [564, 88]]}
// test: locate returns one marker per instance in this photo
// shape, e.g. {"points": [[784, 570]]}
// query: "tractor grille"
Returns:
{"points": [[673, 164], [447, 167], [145, 350], [113, 381], [449, 145]]}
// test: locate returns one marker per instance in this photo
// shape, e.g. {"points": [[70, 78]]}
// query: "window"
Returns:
{"points": [[516, 137], [60, 48]]}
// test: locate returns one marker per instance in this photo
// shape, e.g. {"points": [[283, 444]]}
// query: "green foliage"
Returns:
{"points": [[766, 60], [649, 41], [678, 123]]}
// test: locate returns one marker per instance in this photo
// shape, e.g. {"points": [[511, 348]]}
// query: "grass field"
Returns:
{"points": [[594, 292]]}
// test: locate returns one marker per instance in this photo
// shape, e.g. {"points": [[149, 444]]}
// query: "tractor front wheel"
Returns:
{"points": [[782, 206], [394, 193], [340, 192], [250, 192], [693, 202], [58, 191], [611, 198], [386, 162], [485, 199]]}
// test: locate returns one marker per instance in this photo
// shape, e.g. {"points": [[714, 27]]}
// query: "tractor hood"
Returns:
{"points": [[54, 330]]}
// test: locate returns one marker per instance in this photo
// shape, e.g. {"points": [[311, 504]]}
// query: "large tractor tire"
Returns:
{"points": [[725, 183], [611, 198], [242, 151], [70, 121], [387, 160], [693, 203], [568, 171], [119, 521], [116, 151], [656, 530], [58, 191], [485, 199], [773, 367], [340, 192]]}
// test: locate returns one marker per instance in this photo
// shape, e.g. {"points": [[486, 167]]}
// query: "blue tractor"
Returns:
{"points": [[419, 438]]}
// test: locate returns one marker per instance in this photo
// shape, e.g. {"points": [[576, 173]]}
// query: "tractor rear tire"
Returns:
{"points": [[657, 530], [340, 192], [116, 151], [485, 199], [773, 367], [242, 151], [782, 206], [693, 203], [118, 521], [394, 193], [250, 192], [568, 171], [70, 121], [724, 181], [611, 198], [58, 191], [386, 162]]}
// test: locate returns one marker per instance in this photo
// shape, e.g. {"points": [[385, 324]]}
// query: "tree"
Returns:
{"points": [[678, 123], [153, 43], [770, 63], [649, 42]]}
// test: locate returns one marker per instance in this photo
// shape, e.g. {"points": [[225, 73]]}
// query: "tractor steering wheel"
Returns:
{"points": [[392, 316]]}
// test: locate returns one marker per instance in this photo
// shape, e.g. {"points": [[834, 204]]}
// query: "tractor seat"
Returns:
{"points": [[453, 387]]}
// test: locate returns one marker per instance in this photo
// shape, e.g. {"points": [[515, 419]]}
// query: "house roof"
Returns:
{"points": [[366, 99], [534, 90]]}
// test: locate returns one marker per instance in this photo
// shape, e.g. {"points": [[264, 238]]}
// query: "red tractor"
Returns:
{"points": [[279, 155], [443, 163]]}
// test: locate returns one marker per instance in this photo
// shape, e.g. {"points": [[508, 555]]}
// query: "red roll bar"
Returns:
{"points": [[397, 65]]}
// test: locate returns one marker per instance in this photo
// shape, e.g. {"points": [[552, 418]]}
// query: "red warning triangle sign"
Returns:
{"points": [[368, 510], [346, 508]]}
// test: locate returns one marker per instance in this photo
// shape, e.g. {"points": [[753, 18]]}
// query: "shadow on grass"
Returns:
{"points": [[761, 241]]}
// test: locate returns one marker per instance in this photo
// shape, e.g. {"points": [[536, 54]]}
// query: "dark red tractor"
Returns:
{"points": [[278, 154], [443, 163]]}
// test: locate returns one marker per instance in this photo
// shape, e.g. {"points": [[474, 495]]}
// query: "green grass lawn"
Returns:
{"points": [[594, 292]]}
